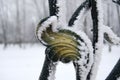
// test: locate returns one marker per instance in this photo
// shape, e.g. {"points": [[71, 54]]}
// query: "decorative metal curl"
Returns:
{"points": [[69, 45], [64, 45], [61, 46]]}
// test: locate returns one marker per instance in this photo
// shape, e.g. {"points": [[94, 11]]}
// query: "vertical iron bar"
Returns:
{"points": [[49, 65], [94, 14], [53, 8]]}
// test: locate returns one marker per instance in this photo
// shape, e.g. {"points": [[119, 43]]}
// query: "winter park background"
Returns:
{"points": [[22, 56]]}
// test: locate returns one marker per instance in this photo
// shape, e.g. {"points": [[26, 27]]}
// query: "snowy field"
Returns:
{"points": [[26, 63]]}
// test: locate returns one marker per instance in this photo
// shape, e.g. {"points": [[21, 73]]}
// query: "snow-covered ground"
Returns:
{"points": [[26, 63]]}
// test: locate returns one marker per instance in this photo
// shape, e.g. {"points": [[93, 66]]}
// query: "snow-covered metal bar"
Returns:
{"points": [[49, 68], [110, 36], [48, 71], [115, 73], [79, 13], [83, 65], [53, 9], [58, 8], [97, 17], [116, 1], [43, 25]]}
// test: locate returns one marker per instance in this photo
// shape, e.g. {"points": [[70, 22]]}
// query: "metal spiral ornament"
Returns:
{"points": [[64, 43], [65, 46], [61, 45]]}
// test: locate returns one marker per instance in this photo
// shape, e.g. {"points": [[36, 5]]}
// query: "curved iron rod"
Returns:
{"points": [[116, 1], [49, 65], [85, 5], [94, 14], [77, 70], [115, 73], [48, 70]]}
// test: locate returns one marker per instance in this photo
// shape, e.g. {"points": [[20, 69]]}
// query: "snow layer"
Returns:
{"points": [[113, 37], [43, 26], [86, 52], [62, 13], [26, 63], [99, 44], [52, 70], [79, 22]]}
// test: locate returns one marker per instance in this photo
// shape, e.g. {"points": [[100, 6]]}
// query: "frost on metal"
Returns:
{"points": [[44, 24], [103, 32], [73, 41], [83, 45], [79, 15], [110, 36], [52, 70], [61, 12], [97, 40], [83, 65], [48, 72]]}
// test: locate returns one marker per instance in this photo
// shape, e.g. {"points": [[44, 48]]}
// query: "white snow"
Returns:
{"points": [[21, 63], [78, 24], [26, 63], [118, 78], [99, 44], [85, 50], [109, 59], [113, 37], [52, 70], [62, 13], [43, 26]]}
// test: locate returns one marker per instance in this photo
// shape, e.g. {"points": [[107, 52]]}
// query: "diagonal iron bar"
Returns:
{"points": [[115, 73], [85, 5], [116, 1]]}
